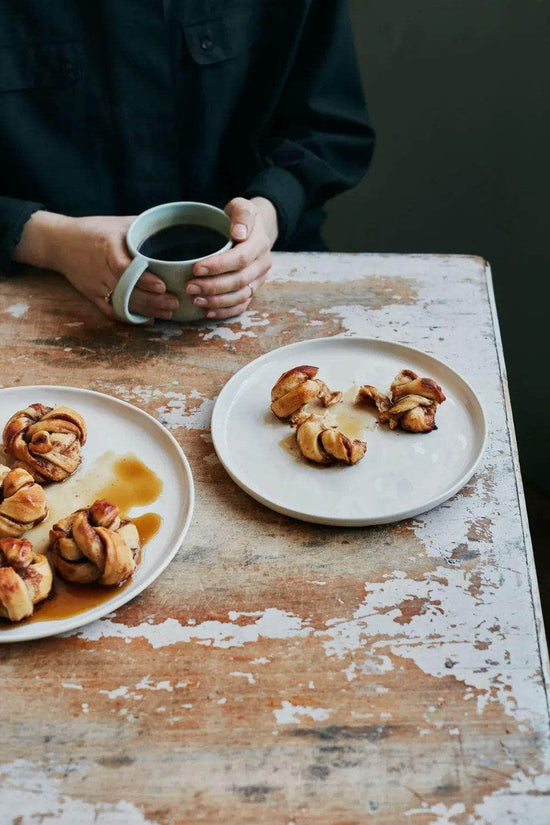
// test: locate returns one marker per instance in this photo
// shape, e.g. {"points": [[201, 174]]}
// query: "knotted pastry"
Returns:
{"points": [[25, 578], [325, 444], [94, 545], [46, 441], [297, 387], [412, 405], [23, 501]]}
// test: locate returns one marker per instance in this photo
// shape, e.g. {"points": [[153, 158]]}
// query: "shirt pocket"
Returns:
{"points": [[224, 37], [27, 66]]}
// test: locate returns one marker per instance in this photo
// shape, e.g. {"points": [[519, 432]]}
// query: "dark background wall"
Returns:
{"points": [[459, 96]]}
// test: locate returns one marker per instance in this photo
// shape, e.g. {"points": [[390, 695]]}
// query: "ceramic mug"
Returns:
{"points": [[175, 274]]}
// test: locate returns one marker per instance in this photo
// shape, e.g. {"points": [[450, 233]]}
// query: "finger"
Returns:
{"points": [[229, 312], [118, 260], [240, 256], [243, 217], [154, 306], [229, 299], [221, 284], [105, 308], [231, 281], [151, 283]]}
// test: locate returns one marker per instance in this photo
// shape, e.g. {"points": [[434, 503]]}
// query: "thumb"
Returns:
{"points": [[243, 216]]}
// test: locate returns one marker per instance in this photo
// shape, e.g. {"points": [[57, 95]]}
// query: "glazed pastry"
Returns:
{"points": [[94, 545], [372, 397], [25, 578], [413, 403], [46, 441], [23, 502], [298, 387], [325, 444]]}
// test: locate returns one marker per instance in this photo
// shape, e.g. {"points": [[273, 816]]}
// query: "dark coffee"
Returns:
{"points": [[182, 242]]}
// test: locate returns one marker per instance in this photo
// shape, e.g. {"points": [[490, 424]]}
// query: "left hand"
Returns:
{"points": [[225, 284]]}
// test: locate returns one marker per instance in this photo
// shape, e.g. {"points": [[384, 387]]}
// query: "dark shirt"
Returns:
{"points": [[112, 106]]}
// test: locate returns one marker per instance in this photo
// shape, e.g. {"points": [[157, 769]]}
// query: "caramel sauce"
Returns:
{"points": [[290, 445], [352, 420], [125, 481], [133, 485], [148, 526], [68, 599]]}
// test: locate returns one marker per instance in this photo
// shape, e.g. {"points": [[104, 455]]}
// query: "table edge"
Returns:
{"points": [[533, 581]]}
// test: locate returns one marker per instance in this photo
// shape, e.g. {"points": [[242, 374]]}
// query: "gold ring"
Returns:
{"points": [[108, 298], [251, 288]]}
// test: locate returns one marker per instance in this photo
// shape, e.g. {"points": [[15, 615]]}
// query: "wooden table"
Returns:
{"points": [[282, 672]]}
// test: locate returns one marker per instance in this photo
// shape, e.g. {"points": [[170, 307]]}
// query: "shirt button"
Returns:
{"points": [[206, 44]]}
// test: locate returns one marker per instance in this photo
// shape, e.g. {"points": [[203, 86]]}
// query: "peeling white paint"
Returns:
{"points": [[270, 624], [248, 676], [17, 310], [443, 814], [33, 794], [69, 685], [226, 330], [183, 411], [289, 714], [190, 410], [146, 684], [454, 623], [508, 804], [116, 693]]}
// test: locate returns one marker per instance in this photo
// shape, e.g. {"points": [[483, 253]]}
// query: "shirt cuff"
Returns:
{"points": [[14, 214], [285, 192]]}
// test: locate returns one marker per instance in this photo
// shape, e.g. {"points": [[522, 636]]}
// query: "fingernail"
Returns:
{"points": [[159, 287], [240, 231], [170, 305], [211, 314], [200, 302], [193, 289], [201, 270]]}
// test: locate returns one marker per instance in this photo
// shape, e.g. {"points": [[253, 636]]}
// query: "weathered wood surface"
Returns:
{"points": [[280, 672]]}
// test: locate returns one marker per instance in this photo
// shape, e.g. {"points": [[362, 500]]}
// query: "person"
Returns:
{"points": [[111, 107]]}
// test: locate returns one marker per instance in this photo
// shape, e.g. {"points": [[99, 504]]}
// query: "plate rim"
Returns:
{"points": [[123, 597], [350, 522]]}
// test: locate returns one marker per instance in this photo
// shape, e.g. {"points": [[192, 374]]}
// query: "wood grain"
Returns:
{"points": [[281, 672]]}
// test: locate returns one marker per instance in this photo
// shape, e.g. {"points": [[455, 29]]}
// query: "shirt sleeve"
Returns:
{"points": [[14, 214], [319, 141]]}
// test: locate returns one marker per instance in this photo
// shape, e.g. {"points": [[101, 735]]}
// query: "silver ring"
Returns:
{"points": [[109, 297], [251, 288]]}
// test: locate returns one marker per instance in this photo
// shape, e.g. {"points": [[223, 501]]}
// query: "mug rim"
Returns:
{"points": [[208, 206]]}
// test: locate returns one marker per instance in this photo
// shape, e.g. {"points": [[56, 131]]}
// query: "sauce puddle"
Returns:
{"points": [[125, 481], [352, 420]]}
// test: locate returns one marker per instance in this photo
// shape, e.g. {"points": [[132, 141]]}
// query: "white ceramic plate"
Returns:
{"points": [[402, 475], [117, 429]]}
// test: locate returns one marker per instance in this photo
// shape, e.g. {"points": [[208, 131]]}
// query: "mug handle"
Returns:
{"points": [[123, 291]]}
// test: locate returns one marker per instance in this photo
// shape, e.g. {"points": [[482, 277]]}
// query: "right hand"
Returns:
{"points": [[92, 255]]}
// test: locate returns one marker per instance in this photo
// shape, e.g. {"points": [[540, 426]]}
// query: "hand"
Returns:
{"points": [[91, 253], [224, 284]]}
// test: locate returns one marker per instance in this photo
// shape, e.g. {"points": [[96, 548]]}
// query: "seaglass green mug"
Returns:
{"points": [[165, 224]]}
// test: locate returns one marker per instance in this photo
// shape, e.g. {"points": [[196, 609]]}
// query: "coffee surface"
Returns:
{"points": [[182, 242]]}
